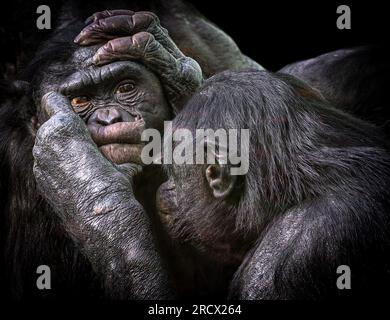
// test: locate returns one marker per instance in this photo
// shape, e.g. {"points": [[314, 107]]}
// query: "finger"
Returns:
{"points": [[127, 25], [142, 46], [122, 153], [107, 13], [180, 76], [130, 169], [120, 132], [53, 103], [114, 26]]}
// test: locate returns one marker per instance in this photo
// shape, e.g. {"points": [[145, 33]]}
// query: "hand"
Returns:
{"points": [[139, 36], [69, 169], [94, 199]]}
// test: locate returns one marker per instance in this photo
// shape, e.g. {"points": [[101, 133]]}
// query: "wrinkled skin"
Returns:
{"points": [[139, 36], [114, 230], [33, 234], [127, 99], [118, 101], [118, 98], [272, 240]]}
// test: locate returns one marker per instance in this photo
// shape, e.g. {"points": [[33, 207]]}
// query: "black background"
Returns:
{"points": [[274, 33]]}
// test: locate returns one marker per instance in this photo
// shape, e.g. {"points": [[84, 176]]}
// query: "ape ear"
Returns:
{"points": [[220, 180]]}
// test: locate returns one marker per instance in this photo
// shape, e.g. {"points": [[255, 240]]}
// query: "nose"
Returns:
{"points": [[107, 116]]}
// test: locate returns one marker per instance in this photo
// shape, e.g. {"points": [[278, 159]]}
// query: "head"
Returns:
{"points": [[288, 123], [113, 99]]}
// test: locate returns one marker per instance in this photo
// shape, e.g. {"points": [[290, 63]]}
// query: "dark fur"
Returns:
{"points": [[317, 194], [31, 235], [352, 80]]}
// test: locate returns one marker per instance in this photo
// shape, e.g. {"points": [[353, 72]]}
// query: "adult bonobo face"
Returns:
{"points": [[116, 101], [118, 98]]}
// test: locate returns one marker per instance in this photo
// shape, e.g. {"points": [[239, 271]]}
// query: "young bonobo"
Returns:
{"points": [[316, 195]]}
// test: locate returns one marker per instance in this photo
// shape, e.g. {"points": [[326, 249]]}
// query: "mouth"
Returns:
{"points": [[119, 142], [119, 132], [120, 153]]}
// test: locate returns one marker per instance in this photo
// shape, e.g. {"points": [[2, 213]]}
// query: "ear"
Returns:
{"points": [[220, 180]]}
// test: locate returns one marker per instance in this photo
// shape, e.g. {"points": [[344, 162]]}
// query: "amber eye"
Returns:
{"points": [[125, 88], [78, 102]]}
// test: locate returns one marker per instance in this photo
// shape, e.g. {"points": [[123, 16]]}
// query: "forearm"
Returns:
{"points": [[95, 201], [119, 243]]}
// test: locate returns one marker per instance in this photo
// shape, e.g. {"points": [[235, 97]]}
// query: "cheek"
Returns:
{"points": [[155, 112]]}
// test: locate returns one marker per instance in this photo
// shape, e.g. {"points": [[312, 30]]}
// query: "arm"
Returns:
{"points": [[95, 201], [298, 255], [351, 79]]}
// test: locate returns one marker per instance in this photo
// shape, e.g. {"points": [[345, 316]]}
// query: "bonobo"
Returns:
{"points": [[316, 195], [32, 234], [117, 101]]}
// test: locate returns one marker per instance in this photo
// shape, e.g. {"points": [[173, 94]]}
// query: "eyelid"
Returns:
{"points": [[122, 83], [75, 105]]}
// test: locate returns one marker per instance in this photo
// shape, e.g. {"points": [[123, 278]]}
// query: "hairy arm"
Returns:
{"points": [[300, 252], [94, 199]]}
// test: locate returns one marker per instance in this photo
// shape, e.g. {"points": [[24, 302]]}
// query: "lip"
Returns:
{"points": [[117, 133], [120, 153]]}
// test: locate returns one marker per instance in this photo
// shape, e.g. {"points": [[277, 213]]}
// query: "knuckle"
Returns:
{"points": [[143, 40], [99, 25], [190, 69], [150, 17], [143, 37], [108, 47], [47, 99], [96, 26]]}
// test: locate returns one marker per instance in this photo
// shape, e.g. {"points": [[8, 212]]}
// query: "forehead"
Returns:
{"points": [[82, 62], [95, 76], [85, 75], [79, 70], [82, 57]]}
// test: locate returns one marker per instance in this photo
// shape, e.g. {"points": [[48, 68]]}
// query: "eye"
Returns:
{"points": [[79, 102], [125, 88]]}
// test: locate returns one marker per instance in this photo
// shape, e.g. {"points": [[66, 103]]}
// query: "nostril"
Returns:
{"points": [[107, 117], [114, 116]]}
